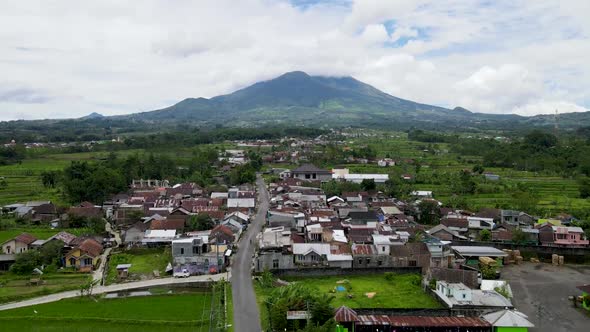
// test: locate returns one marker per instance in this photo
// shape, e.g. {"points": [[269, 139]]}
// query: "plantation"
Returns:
{"points": [[186, 312]]}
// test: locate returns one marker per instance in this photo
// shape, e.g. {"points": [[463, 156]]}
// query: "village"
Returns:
{"points": [[315, 226]]}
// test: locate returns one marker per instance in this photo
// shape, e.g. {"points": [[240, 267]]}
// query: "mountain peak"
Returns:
{"points": [[92, 115], [294, 74]]}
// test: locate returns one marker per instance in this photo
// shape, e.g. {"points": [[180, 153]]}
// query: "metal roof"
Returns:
{"points": [[422, 321], [479, 251]]}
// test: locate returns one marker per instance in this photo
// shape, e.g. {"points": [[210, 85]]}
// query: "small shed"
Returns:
{"points": [[123, 271]]}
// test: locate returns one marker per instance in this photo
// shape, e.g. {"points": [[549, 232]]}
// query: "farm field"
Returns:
{"points": [[143, 263], [186, 312], [400, 291], [41, 233], [13, 288]]}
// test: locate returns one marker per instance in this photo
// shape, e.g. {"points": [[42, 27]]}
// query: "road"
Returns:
{"points": [[246, 314], [113, 288]]}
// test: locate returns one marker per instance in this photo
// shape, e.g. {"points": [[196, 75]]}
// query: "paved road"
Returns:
{"points": [[113, 288], [246, 315]]}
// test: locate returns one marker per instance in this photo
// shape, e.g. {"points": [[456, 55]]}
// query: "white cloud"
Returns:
{"points": [[60, 59], [549, 107], [375, 33]]}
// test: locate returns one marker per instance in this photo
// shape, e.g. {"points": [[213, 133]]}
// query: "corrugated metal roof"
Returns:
{"points": [[344, 315], [422, 321]]}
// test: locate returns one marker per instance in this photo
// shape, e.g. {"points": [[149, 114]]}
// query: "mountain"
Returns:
{"points": [[92, 115], [298, 98]]}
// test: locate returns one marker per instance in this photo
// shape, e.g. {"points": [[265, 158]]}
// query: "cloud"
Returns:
{"points": [[22, 95], [375, 33], [548, 107], [489, 56]]}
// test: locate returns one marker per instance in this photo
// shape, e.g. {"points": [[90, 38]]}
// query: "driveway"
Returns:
{"points": [[114, 288], [246, 315], [541, 292]]}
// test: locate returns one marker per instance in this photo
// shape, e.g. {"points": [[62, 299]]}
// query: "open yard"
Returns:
{"points": [[13, 288], [541, 292], [143, 263], [372, 291], [186, 312]]}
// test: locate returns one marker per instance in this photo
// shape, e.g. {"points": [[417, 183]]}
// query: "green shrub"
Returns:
{"points": [[389, 276]]}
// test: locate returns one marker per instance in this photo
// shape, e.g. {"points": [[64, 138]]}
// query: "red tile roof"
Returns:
{"points": [[25, 238], [177, 224], [91, 247]]}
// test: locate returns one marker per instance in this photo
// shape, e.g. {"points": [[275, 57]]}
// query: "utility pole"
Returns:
{"points": [[556, 123]]}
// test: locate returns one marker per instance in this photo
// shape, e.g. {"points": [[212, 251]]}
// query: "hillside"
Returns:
{"points": [[298, 98]]}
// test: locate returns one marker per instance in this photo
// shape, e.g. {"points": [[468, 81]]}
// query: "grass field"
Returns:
{"points": [[399, 292], [15, 288], [186, 312], [143, 263]]}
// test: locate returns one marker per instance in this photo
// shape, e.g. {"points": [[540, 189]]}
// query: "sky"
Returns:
{"points": [[63, 59]]}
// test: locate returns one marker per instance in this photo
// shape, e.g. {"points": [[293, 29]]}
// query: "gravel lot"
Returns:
{"points": [[541, 292]]}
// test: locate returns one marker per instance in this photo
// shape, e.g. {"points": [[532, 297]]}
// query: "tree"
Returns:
{"points": [[429, 212], [518, 236], [478, 169], [96, 224], [49, 179], [540, 140], [200, 222], [51, 252], [26, 262], [368, 184], [584, 188], [485, 235]]}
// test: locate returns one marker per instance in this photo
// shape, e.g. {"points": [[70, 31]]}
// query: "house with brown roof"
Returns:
{"points": [[44, 213], [84, 256], [86, 210], [177, 224], [18, 244], [221, 234]]}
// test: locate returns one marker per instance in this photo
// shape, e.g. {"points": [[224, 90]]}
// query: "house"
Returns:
{"points": [[444, 233], [569, 236], [386, 162], [18, 244], [508, 320], [362, 220], [351, 321], [457, 295], [176, 224], [422, 193], [6, 261], [189, 250], [345, 175], [233, 225], [440, 253], [311, 173], [84, 256], [457, 223], [45, 212], [239, 217], [157, 237], [221, 234], [479, 223], [320, 254], [411, 255], [135, 233], [86, 210]]}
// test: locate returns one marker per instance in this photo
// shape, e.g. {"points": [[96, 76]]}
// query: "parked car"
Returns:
{"points": [[182, 274]]}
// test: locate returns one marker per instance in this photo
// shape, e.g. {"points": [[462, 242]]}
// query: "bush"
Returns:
{"points": [[432, 283], [416, 280], [389, 276]]}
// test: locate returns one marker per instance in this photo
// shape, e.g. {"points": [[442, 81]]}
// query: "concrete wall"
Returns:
{"points": [[537, 249], [264, 261], [320, 272]]}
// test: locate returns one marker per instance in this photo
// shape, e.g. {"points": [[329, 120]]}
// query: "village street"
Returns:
{"points": [[246, 314]]}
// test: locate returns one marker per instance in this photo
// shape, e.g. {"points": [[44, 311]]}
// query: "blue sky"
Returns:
{"points": [[114, 57]]}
